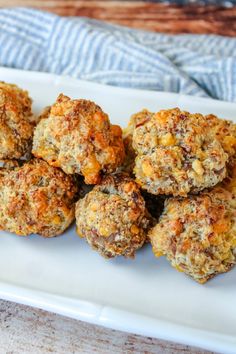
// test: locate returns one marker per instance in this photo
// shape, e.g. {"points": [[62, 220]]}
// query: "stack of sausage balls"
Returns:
{"points": [[169, 179]]}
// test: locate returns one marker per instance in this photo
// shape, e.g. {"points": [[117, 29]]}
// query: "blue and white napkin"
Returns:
{"points": [[203, 65]]}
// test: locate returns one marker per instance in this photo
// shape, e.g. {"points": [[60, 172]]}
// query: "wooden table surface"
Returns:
{"points": [[26, 330]]}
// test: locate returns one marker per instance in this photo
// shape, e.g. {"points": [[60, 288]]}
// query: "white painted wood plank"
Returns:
{"points": [[26, 330]]}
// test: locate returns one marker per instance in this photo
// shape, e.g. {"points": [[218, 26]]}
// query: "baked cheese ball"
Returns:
{"points": [[77, 137], [198, 234], [36, 199], [16, 122], [113, 218], [178, 153]]}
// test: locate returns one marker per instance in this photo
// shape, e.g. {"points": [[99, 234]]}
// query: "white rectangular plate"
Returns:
{"points": [[145, 296]]}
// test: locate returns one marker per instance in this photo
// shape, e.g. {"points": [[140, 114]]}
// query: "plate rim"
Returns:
{"points": [[110, 317]]}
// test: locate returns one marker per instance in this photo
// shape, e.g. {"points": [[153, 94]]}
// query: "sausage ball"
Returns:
{"points": [[16, 122], [36, 199], [113, 218], [178, 153], [198, 234], [77, 137]]}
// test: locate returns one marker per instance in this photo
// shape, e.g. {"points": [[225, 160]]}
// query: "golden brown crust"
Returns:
{"points": [[136, 119], [225, 132], [45, 113], [16, 122], [178, 153], [78, 137], [113, 217], [198, 234], [36, 198], [11, 164]]}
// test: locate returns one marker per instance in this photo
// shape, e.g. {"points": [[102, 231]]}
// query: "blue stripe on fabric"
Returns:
{"points": [[42, 17], [24, 21], [11, 27]]}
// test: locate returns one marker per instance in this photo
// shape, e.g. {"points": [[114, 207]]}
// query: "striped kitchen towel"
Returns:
{"points": [[203, 65]]}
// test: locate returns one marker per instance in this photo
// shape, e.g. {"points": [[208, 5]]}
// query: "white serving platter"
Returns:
{"points": [[145, 296]]}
